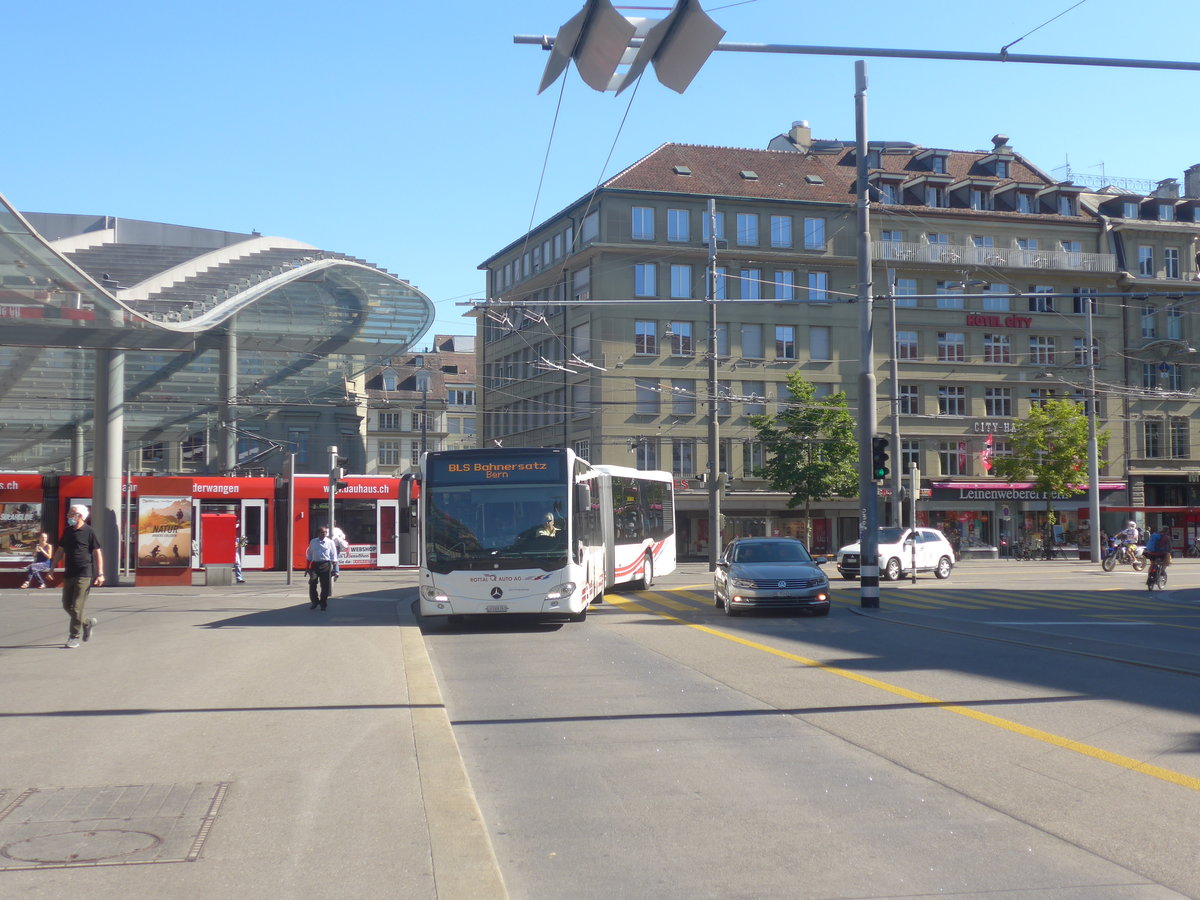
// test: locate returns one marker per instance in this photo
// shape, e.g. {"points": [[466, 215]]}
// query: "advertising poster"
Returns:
{"points": [[164, 532], [20, 524]]}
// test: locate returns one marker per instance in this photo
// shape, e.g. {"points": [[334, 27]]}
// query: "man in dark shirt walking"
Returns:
{"points": [[80, 550]]}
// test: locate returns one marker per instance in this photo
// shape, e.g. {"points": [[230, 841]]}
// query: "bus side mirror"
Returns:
{"points": [[583, 497]]}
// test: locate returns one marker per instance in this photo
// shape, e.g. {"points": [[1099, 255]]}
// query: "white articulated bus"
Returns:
{"points": [[536, 531]]}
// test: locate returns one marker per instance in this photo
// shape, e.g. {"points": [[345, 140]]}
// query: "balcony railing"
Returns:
{"points": [[998, 257]]}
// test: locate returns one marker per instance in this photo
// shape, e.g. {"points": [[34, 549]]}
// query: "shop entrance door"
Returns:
{"points": [[254, 517], [386, 527]]}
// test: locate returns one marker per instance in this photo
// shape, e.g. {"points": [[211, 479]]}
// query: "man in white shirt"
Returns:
{"points": [[322, 554]]}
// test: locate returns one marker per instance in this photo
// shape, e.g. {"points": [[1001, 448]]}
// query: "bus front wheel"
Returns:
{"points": [[647, 578]]}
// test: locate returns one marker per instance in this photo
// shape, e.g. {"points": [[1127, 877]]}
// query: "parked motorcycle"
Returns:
{"points": [[1125, 554]]}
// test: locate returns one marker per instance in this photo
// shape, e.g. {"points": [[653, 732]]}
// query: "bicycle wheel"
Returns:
{"points": [[1162, 579]]}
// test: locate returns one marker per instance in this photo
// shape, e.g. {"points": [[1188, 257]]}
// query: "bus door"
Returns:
{"points": [[254, 519], [388, 516]]}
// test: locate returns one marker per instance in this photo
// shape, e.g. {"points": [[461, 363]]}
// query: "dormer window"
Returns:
{"points": [[1066, 205], [981, 199], [389, 379], [1024, 202], [935, 195], [1002, 168], [1129, 210], [937, 165], [1166, 212]]}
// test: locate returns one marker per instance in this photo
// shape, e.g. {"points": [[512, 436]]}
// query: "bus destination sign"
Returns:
{"points": [[501, 470]]}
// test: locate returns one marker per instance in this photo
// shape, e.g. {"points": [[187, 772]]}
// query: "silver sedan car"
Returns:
{"points": [[769, 573]]}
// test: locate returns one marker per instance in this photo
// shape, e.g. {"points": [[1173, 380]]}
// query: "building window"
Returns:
{"points": [[937, 165], [747, 229], [785, 284], [751, 284], [752, 341], [646, 397], [909, 397], [785, 342], [949, 297], [997, 348], [389, 421], [952, 400], [818, 343], [1041, 396], [1152, 438], [1002, 168], [581, 340], [414, 453], [1040, 299], [724, 389], [460, 396], [952, 457], [1081, 298], [1146, 260], [996, 298], [781, 231], [1080, 348], [906, 292], [752, 459], [1066, 205], [935, 196], [951, 346], [889, 193], [683, 396], [1166, 212], [644, 277], [981, 199], [681, 281], [1180, 445], [814, 234], [682, 343], [998, 402], [194, 449], [818, 286], [643, 223], [755, 393], [583, 449], [647, 453], [645, 338], [683, 457], [1172, 378], [1042, 350], [704, 226], [1170, 262], [906, 345], [1150, 376], [1024, 202], [719, 288], [1175, 323], [678, 225], [1149, 322], [910, 456], [389, 453], [389, 380], [723, 339]]}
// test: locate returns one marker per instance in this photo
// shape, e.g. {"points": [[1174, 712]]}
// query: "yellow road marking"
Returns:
{"points": [[1046, 737]]}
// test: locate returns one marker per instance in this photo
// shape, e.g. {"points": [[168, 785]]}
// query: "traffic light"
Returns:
{"points": [[879, 458], [335, 479]]}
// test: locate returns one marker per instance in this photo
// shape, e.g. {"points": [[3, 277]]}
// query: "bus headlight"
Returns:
{"points": [[562, 591], [432, 594]]}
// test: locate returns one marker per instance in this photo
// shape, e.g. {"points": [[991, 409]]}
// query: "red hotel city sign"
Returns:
{"points": [[991, 321]]}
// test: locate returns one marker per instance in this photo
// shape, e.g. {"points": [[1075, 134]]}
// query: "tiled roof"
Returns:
{"points": [[788, 175]]}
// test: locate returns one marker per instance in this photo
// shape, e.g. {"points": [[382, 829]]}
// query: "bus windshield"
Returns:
{"points": [[502, 526]]}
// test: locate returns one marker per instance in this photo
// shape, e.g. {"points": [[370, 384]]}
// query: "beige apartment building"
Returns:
{"points": [[595, 331]]}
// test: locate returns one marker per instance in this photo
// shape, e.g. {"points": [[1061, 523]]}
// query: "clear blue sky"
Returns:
{"points": [[411, 134]]}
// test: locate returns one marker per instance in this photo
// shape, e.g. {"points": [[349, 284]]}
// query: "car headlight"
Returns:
{"points": [[429, 592], [561, 591], [741, 582]]}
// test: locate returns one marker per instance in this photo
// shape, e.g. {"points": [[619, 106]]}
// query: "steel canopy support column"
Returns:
{"points": [[867, 493], [109, 417], [227, 389]]}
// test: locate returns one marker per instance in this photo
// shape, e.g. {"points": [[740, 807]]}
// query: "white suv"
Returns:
{"points": [[934, 554]]}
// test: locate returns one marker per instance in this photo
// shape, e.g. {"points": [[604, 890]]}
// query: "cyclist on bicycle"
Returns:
{"points": [[1158, 547]]}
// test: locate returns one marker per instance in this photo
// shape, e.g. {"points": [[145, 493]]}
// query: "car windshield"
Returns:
{"points": [[890, 535], [771, 552]]}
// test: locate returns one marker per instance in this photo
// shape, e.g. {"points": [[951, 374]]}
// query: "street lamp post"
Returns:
{"points": [[714, 445], [1093, 446]]}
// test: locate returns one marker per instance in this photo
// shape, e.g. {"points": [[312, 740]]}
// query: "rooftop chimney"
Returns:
{"points": [[1000, 142], [801, 135], [1167, 189], [1191, 181]]}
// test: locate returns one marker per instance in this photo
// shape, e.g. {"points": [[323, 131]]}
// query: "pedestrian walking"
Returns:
{"points": [[83, 560], [238, 544], [322, 567]]}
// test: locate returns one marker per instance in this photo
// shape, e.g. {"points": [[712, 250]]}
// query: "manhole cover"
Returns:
{"points": [[54, 828], [80, 846]]}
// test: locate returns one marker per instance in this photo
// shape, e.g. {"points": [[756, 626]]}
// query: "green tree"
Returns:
{"points": [[810, 448], [1050, 448]]}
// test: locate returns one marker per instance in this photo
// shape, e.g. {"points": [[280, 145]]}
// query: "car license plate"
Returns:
{"points": [[497, 608]]}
